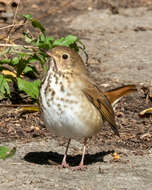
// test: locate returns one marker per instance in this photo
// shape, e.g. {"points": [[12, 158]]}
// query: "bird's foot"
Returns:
{"points": [[64, 165], [80, 167]]}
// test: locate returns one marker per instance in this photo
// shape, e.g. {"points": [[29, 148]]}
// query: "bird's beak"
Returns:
{"points": [[49, 54], [53, 61]]}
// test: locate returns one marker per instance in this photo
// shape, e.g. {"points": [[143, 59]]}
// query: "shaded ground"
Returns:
{"points": [[118, 40]]}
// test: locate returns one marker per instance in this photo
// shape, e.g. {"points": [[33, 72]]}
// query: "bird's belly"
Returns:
{"points": [[75, 117], [69, 124]]}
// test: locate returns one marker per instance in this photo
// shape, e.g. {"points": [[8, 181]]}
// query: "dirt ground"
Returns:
{"points": [[118, 38]]}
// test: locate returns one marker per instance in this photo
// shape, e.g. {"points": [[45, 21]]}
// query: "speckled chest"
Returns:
{"points": [[58, 92], [65, 109]]}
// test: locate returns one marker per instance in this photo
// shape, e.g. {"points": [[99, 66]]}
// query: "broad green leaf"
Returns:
{"points": [[27, 69], [6, 152], [42, 37], [65, 41], [4, 87], [28, 16], [21, 66], [31, 71], [71, 39], [15, 61], [30, 88]]}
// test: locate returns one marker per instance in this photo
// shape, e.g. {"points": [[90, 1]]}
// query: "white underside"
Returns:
{"points": [[71, 120]]}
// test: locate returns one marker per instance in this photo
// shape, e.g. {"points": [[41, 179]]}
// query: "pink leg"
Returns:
{"points": [[64, 164], [81, 165]]}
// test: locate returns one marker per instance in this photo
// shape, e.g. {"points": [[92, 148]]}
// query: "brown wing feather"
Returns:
{"points": [[101, 102]]}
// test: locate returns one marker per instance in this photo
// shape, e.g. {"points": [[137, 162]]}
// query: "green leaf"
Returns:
{"points": [[28, 16], [30, 88], [31, 71], [27, 69], [40, 57], [11, 153], [22, 55], [42, 38], [74, 46], [37, 24], [65, 41], [50, 38], [32, 59], [44, 45], [5, 61], [4, 87], [6, 152], [71, 39], [21, 66], [15, 61]]}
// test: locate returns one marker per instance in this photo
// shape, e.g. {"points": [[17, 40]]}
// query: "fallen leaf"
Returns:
{"points": [[116, 156], [146, 111]]}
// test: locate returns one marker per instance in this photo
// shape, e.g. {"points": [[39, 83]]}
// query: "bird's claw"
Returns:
{"points": [[80, 167], [64, 165]]}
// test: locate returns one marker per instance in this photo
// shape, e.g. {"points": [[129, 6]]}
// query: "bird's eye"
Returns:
{"points": [[65, 56]]}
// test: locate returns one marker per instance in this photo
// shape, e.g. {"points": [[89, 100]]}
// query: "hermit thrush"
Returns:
{"points": [[71, 104]]}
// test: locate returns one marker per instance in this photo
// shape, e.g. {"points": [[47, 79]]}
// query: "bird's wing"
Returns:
{"points": [[101, 102]]}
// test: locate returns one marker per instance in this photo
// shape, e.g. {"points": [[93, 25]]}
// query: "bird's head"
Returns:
{"points": [[66, 59]]}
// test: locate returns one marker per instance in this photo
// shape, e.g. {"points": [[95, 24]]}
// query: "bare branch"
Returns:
{"points": [[12, 25], [14, 19], [18, 45]]}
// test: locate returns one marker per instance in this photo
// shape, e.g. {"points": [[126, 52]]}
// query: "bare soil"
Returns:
{"points": [[118, 38]]}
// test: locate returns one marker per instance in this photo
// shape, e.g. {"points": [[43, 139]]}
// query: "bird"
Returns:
{"points": [[70, 102]]}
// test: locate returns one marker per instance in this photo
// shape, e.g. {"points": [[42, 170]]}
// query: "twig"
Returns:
{"points": [[14, 19], [18, 45], [9, 26], [18, 105]]}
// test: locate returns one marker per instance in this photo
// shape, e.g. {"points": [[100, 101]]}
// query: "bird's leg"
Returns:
{"points": [[64, 163], [81, 165]]}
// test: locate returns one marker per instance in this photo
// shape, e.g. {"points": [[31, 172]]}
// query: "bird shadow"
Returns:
{"points": [[54, 158]]}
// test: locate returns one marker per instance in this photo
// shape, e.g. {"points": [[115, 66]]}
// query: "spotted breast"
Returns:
{"points": [[65, 109]]}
